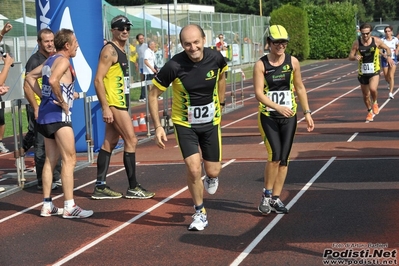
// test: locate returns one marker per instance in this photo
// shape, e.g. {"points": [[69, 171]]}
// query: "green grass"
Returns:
{"points": [[9, 125]]}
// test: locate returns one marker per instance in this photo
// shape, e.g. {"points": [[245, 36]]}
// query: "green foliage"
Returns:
{"points": [[12, 9], [294, 19], [9, 131], [332, 30]]}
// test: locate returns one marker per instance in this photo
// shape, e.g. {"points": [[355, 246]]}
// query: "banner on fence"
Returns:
{"points": [[85, 19]]}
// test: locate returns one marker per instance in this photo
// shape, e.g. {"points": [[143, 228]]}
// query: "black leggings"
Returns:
{"points": [[2, 122], [278, 135]]}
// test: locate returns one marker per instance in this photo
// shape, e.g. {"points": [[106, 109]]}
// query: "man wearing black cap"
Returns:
{"points": [[112, 84]]}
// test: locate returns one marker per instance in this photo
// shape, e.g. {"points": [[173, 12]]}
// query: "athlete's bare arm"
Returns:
{"points": [[108, 57]]}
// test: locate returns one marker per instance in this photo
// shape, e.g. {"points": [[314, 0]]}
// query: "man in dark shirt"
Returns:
{"points": [[199, 84], [45, 41]]}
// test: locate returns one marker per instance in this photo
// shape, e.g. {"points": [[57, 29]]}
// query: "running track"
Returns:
{"points": [[341, 189]]}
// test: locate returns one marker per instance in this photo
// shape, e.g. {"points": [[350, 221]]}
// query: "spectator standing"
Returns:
{"points": [[222, 47], [45, 42], [113, 66], [141, 48], [133, 61], [8, 61], [54, 121], [150, 69]]}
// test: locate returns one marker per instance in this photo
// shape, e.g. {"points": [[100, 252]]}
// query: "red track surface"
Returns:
{"points": [[341, 189]]}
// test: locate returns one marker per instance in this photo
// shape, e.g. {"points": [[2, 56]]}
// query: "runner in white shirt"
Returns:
{"points": [[389, 71]]}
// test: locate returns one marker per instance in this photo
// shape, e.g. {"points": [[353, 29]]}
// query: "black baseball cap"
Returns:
{"points": [[120, 22]]}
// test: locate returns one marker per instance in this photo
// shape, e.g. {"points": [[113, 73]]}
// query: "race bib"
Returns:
{"points": [[282, 98], [393, 53], [127, 84], [201, 114], [367, 68]]}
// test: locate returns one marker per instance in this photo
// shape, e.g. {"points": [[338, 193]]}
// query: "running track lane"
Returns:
{"points": [[318, 190]]}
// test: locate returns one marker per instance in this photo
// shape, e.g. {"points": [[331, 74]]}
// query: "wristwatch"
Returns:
{"points": [[307, 112]]}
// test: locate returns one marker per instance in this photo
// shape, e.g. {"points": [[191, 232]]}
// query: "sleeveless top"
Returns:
{"points": [[279, 86], [117, 81], [49, 112], [392, 44], [369, 65]]}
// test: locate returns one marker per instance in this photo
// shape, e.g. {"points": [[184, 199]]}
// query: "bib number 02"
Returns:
{"points": [[282, 98], [201, 114]]}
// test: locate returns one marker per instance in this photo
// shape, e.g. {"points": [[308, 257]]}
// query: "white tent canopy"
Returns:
{"points": [[158, 23], [29, 21]]}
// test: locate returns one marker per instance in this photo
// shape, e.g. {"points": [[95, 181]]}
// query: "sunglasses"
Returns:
{"points": [[365, 33], [284, 43], [123, 28]]}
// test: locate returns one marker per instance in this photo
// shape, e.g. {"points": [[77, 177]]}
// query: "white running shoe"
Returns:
{"points": [[76, 212], [199, 223], [50, 210], [390, 95], [211, 184], [3, 148], [264, 206]]}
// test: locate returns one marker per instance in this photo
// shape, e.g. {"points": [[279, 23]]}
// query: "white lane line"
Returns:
{"points": [[327, 104], [270, 226], [353, 137], [119, 228]]}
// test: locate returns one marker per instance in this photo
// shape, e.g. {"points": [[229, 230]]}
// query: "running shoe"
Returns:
{"points": [[391, 95], [50, 210], [277, 206], [211, 184], [369, 116], [139, 193], [3, 148], [264, 206], [58, 182], [376, 110], [106, 193], [199, 223], [76, 212]]}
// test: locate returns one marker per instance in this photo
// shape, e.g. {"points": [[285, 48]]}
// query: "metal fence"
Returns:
{"points": [[244, 34]]}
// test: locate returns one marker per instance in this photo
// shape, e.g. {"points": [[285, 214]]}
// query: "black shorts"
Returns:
{"points": [[2, 120], [48, 130], [278, 135], [365, 80], [208, 137]]}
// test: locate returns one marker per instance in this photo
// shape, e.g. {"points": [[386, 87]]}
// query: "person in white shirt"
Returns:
{"points": [[149, 69], [140, 49], [389, 71], [149, 61]]}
